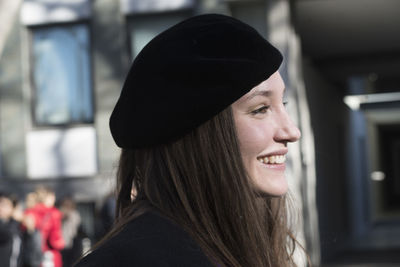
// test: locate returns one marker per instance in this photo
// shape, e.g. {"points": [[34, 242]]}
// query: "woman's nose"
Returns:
{"points": [[287, 130]]}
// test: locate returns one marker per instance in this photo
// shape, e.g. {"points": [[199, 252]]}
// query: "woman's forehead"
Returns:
{"points": [[274, 84]]}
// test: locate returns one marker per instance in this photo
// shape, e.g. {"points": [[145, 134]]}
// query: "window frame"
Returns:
{"points": [[34, 90], [130, 18]]}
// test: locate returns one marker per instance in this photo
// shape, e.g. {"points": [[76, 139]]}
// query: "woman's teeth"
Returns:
{"points": [[278, 159]]}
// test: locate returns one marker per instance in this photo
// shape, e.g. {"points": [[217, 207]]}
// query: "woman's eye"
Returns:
{"points": [[260, 110], [285, 103]]}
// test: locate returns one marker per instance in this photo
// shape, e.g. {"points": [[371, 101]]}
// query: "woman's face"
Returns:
{"points": [[264, 129]]}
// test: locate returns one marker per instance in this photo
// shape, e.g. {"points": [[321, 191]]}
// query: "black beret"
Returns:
{"points": [[188, 74]]}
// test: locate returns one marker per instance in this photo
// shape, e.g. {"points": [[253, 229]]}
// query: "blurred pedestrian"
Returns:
{"points": [[47, 220], [204, 131], [30, 200], [71, 221], [10, 236]]}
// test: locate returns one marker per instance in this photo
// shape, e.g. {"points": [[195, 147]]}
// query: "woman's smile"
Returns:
{"points": [[273, 161]]}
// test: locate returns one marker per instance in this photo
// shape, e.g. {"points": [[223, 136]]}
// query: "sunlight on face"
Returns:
{"points": [[264, 129]]}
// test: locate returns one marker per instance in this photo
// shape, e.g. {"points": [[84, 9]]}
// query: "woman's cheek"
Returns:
{"points": [[252, 135]]}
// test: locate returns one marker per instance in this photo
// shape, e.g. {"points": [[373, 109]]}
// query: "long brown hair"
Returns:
{"points": [[199, 182]]}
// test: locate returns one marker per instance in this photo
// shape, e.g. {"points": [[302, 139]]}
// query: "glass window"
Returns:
{"points": [[144, 27], [61, 75]]}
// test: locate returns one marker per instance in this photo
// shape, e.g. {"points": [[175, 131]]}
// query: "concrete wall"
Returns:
{"points": [[12, 107]]}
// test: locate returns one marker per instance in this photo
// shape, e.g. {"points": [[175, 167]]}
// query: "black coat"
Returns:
{"points": [[147, 241], [10, 243]]}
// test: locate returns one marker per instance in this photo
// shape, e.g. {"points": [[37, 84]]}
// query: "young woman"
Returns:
{"points": [[204, 132]]}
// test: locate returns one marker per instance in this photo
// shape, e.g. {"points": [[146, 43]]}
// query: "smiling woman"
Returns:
{"points": [[204, 132], [264, 129]]}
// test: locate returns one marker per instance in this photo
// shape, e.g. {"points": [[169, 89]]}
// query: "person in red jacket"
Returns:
{"points": [[48, 221]]}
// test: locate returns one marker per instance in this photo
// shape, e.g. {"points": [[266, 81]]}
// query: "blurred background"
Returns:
{"points": [[62, 66]]}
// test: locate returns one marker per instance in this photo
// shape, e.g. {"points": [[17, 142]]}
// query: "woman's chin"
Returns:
{"points": [[273, 189]]}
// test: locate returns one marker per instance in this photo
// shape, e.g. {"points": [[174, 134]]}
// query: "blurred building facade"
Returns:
{"points": [[62, 65], [351, 68]]}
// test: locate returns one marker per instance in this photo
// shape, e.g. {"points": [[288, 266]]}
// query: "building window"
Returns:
{"points": [[61, 75], [143, 28]]}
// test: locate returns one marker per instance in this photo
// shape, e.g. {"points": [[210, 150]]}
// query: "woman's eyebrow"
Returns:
{"points": [[265, 93]]}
